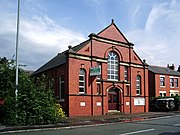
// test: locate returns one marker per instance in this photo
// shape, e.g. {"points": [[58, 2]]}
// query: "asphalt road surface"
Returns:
{"points": [[162, 126]]}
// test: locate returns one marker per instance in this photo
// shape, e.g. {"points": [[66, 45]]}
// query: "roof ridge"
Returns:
{"points": [[158, 66], [163, 70], [79, 46]]}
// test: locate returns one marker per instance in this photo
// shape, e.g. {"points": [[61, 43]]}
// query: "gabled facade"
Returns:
{"points": [[100, 75], [163, 81]]}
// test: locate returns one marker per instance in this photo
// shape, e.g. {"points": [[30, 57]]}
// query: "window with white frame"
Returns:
{"points": [[113, 67], [126, 73], [61, 87], [176, 83], [171, 82], [138, 85], [162, 93], [162, 81], [82, 78], [174, 92], [99, 76]]}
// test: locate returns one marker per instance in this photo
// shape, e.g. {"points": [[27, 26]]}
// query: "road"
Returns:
{"points": [[163, 126]]}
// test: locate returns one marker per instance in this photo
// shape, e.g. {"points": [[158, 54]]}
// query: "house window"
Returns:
{"points": [[162, 81], [171, 82], [162, 93], [61, 87], [98, 89], [176, 82], [174, 92], [126, 73], [82, 76], [138, 85], [113, 68]]}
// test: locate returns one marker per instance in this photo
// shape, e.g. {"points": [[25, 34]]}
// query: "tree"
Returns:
{"points": [[7, 84], [35, 103]]}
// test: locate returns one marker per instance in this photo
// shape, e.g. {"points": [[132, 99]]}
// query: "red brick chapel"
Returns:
{"points": [[100, 75]]}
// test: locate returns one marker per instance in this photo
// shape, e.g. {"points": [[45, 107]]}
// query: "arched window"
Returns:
{"points": [[99, 76], [82, 80], [138, 85], [61, 87], [113, 68]]}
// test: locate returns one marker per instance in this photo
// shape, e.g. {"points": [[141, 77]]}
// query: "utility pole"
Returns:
{"points": [[17, 42]]}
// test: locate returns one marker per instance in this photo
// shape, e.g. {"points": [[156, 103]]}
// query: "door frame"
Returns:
{"points": [[118, 92]]}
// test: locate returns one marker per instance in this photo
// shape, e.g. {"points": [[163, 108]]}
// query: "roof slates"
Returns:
{"points": [[59, 59], [163, 70]]}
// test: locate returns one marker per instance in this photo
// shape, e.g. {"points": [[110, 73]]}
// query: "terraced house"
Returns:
{"points": [[103, 74], [163, 81]]}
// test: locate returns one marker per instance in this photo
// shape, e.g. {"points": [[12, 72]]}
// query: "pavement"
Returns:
{"points": [[84, 121]]}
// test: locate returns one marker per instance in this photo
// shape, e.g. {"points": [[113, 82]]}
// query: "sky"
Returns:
{"points": [[48, 27]]}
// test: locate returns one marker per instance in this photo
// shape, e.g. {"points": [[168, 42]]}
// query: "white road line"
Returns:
{"points": [[136, 132], [176, 125]]}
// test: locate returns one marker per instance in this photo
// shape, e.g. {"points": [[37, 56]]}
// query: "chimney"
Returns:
{"points": [[171, 67], [70, 49], [178, 69]]}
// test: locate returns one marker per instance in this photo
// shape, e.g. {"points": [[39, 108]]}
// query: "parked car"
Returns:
{"points": [[163, 104]]}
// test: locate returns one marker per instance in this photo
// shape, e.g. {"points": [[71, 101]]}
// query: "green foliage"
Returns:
{"points": [[177, 98], [60, 113], [7, 78], [35, 101]]}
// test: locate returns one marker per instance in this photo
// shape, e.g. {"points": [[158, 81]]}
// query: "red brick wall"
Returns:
{"points": [[144, 89], [55, 73], [113, 34], [81, 105], [90, 103], [101, 49], [151, 84], [167, 87]]}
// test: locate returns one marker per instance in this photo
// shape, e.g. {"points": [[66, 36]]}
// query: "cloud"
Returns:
{"points": [[42, 30], [101, 8], [157, 13], [43, 39], [158, 42], [94, 3], [40, 38], [153, 27]]}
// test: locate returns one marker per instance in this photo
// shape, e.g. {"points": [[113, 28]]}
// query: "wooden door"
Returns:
{"points": [[113, 101]]}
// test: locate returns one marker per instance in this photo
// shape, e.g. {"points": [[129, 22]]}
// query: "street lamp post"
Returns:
{"points": [[17, 42]]}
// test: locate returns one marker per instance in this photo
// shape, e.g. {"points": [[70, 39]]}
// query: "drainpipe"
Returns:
{"points": [[67, 85], [91, 80], [102, 96], [144, 61], [130, 44], [123, 98]]}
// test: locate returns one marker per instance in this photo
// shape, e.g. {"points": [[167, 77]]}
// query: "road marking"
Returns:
{"points": [[136, 132], [176, 125]]}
